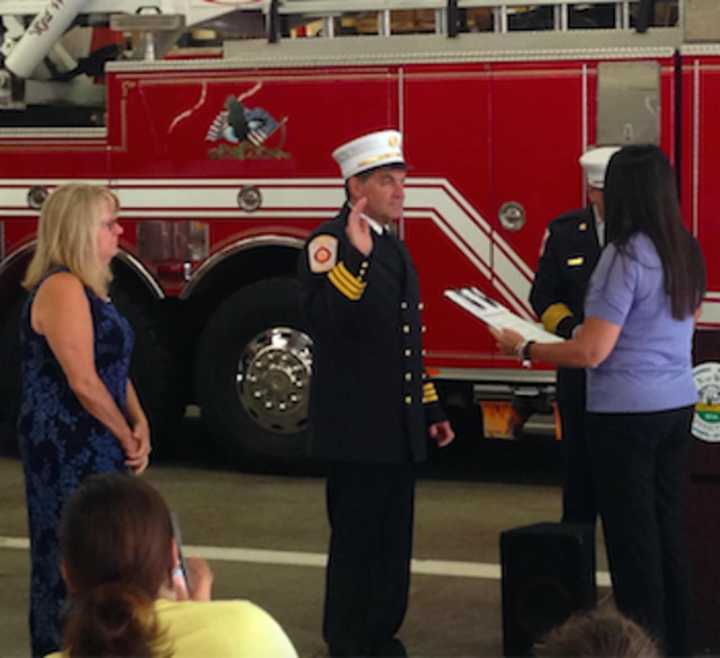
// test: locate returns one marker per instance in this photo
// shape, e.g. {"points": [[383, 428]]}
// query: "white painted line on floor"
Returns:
{"points": [[297, 559], [258, 556], [14, 542]]}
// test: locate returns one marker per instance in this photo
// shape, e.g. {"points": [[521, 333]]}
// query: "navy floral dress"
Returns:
{"points": [[61, 444]]}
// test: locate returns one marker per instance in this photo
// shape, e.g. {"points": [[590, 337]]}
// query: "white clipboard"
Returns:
{"points": [[497, 316]]}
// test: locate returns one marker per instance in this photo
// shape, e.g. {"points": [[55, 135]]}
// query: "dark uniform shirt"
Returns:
{"points": [[570, 254], [370, 399]]}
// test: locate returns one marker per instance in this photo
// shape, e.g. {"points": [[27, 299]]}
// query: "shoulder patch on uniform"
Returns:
{"points": [[322, 253]]}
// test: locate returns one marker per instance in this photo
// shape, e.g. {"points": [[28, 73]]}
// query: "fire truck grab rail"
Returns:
{"points": [[51, 19], [447, 12]]}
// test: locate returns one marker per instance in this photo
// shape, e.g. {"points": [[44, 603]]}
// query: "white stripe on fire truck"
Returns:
{"points": [[436, 198], [205, 198], [452, 213], [710, 313], [453, 237], [509, 281], [454, 193], [516, 272]]}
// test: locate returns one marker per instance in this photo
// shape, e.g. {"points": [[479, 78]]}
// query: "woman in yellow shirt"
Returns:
{"points": [[122, 568]]}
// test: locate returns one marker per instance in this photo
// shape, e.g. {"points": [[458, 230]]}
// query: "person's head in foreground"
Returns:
{"points": [[600, 633], [130, 597], [118, 554]]}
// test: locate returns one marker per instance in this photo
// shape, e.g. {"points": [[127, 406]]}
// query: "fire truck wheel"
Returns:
{"points": [[253, 373], [10, 377], [153, 371]]}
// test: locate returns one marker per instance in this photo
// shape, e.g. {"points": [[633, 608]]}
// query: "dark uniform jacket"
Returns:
{"points": [[570, 254], [370, 400]]}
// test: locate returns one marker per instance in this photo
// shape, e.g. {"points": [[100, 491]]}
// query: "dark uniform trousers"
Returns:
{"points": [[368, 575], [370, 407], [569, 256], [579, 504], [640, 467]]}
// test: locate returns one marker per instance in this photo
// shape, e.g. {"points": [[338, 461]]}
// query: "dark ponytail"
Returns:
{"points": [[113, 619]]}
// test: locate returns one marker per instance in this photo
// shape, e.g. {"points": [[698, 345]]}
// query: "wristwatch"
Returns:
{"points": [[526, 358]]}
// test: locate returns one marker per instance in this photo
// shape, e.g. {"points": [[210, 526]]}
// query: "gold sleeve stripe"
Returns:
{"points": [[429, 393], [554, 315], [346, 283], [351, 294], [351, 280]]}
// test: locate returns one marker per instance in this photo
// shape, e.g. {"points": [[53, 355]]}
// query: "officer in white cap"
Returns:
{"points": [[570, 251], [372, 407]]}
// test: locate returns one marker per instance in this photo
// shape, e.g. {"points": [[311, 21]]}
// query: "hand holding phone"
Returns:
{"points": [[180, 579], [191, 578], [201, 577]]}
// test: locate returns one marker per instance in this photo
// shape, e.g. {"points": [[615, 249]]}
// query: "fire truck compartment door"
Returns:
{"points": [[628, 110], [702, 20]]}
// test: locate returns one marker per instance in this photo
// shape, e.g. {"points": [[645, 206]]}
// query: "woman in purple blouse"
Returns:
{"points": [[636, 341]]}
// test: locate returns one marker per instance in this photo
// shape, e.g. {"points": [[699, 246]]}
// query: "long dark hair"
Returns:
{"points": [[641, 197], [116, 538]]}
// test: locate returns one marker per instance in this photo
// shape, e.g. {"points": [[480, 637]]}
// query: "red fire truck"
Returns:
{"points": [[220, 156]]}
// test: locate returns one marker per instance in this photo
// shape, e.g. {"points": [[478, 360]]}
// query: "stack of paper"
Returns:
{"points": [[495, 315]]}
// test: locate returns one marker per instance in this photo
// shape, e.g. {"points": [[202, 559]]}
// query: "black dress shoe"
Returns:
{"points": [[393, 648], [347, 652]]}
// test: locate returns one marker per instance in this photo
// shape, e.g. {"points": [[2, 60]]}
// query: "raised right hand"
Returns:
{"points": [[358, 229]]}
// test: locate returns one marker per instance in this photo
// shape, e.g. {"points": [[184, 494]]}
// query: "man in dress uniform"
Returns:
{"points": [[372, 407], [570, 251]]}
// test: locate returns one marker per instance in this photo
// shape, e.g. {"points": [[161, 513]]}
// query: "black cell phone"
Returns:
{"points": [[178, 541]]}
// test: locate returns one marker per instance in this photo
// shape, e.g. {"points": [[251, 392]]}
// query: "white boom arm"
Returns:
{"points": [[45, 30], [53, 17]]}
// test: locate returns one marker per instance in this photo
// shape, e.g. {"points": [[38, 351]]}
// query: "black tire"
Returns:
{"points": [[153, 371], [10, 376], [234, 332]]}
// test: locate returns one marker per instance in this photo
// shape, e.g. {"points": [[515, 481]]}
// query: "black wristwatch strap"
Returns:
{"points": [[526, 351]]}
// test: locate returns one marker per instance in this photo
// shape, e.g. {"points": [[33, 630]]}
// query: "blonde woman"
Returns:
{"points": [[79, 411]]}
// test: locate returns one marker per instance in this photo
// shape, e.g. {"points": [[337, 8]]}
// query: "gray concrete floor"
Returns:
{"points": [[458, 519]]}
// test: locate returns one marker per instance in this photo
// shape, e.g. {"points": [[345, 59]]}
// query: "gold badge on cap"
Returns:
{"points": [[393, 140], [583, 226], [574, 262]]}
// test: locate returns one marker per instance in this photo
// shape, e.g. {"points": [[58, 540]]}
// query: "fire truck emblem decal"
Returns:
{"points": [[243, 132]]}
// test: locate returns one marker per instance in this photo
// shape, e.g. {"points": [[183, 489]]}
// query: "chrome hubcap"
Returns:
{"points": [[273, 379]]}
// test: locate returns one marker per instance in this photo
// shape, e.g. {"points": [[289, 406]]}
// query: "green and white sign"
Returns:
{"points": [[706, 424]]}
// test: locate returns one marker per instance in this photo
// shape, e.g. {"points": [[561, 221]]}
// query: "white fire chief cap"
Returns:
{"points": [[376, 149], [594, 162]]}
